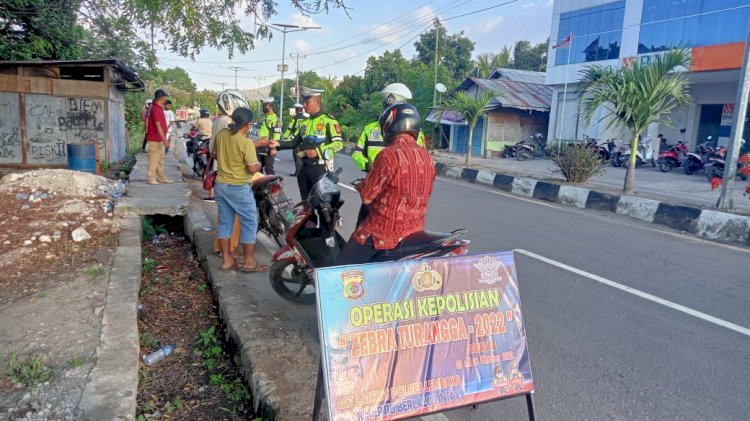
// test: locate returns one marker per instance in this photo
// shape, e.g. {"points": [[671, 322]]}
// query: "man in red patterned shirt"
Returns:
{"points": [[397, 189]]}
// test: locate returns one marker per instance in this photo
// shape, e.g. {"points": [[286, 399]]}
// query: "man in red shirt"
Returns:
{"points": [[397, 189], [156, 135]]}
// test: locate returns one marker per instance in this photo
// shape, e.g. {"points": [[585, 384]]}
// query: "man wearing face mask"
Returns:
{"points": [[291, 132], [269, 133], [319, 138]]}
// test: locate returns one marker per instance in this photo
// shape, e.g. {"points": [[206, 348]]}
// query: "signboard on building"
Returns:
{"points": [[403, 339]]}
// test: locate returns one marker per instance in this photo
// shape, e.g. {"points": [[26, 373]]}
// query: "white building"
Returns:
{"points": [[610, 32]]}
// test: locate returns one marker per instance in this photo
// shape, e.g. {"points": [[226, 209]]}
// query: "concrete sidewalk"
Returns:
{"points": [[162, 199], [674, 187]]}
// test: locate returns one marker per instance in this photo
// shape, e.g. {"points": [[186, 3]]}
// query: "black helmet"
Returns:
{"points": [[204, 112], [399, 118]]}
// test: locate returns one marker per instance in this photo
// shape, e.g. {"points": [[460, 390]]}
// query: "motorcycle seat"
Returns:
{"points": [[263, 181], [419, 241]]}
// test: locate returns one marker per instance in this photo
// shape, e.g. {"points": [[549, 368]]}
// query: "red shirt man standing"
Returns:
{"points": [[156, 135], [397, 189]]}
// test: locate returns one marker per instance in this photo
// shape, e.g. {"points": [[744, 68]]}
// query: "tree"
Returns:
{"points": [[385, 69], [503, 59], [455, 52], [635, 96], [484, 64], [526, 57], [178, 78], [472, 107], [40, 29]]}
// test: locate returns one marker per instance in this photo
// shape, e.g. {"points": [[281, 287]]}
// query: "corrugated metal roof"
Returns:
{"points": [[516, 75], [524, 96], [126, 71]]}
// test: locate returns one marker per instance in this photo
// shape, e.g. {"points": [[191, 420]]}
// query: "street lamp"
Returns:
{"points": [[285, 28]]}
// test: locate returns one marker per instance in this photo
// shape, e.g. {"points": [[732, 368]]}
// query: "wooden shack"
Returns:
{"points": [[45, 105]]}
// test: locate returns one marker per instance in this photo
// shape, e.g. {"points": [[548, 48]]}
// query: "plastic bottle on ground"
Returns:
{"points": [[159, 354]]}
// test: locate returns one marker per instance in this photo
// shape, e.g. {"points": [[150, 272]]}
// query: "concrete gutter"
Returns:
{"points": [[111, 391], [710, 224]]}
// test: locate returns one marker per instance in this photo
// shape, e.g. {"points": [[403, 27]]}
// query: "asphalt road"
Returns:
{"points": [[625, 320]]}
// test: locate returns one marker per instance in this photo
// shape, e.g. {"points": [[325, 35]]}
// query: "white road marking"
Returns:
{"points": [[703, 316]]}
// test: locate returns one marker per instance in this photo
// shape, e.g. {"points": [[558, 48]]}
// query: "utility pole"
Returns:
{"points": [[296, 89], [437, 42], [235, 69], [286, 28], [222, 84], [738, 127]]}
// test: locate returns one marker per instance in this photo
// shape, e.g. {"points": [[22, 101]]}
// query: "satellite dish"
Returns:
{"points": [[440, 88]]}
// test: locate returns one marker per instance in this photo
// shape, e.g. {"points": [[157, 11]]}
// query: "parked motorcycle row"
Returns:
{"points": [[307, 233], [705, 158]]}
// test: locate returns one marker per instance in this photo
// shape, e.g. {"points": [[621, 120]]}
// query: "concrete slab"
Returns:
{"points": [[635, 207], [573, 196], [724, 227], [163, 199], [111, 391]]}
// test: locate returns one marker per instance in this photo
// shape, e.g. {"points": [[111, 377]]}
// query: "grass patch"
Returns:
{"points": [[149, 341], [95, 271], [28, 370], [77, 362]]}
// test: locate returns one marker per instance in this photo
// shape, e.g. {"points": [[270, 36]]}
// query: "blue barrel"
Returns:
{"points": [[83, 157]]}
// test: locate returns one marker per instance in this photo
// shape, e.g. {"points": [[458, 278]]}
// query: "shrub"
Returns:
{"points": [[577, 163]]}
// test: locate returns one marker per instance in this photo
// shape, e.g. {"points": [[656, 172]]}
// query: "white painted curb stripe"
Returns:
{"points": [[638, 293]]}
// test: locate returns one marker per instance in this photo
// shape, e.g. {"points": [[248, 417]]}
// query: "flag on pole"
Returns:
{"points": [[565, 42]]}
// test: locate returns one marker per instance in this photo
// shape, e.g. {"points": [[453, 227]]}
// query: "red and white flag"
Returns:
{"points": [[565, 42]]}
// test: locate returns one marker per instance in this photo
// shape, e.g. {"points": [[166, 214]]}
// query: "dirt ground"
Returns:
{"points": [[198, 381], [52, 291]]}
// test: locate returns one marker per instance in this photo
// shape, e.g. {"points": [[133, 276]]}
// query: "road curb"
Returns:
{"points": [[710, 224], [264, 346], [111, 391]]}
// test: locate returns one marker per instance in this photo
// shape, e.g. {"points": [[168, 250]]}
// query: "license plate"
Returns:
{"points": [[283, 205]]}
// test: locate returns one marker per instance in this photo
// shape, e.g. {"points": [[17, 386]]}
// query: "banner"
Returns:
{"points": [[402, 339]]}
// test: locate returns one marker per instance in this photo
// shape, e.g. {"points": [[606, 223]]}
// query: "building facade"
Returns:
{"points": [[46, 105], [611, 33]]}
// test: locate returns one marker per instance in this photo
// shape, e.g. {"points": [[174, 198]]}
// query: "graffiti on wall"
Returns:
{"points": [[10, 133], [53, 122]]}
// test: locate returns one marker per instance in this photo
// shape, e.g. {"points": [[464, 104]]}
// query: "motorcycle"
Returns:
{"points": [[275, 210], [525, 151], [695, 161], [200, 156], [672, 157], [715, 164], [511, 151], [645, 153], [616, 149], [601, 150], [312, 241]]}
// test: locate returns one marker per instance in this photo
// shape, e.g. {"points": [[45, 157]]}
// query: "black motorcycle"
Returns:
{"points": [[275, 210]]}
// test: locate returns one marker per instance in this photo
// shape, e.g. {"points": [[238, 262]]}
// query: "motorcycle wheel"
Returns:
{"points": [[688, 168], [665, 166], [292, 283], [712, 172], [524, 154], [616, 161], [742, 177]]}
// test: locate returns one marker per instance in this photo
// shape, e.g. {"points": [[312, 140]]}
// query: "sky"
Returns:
{"points": [[343, 44]]}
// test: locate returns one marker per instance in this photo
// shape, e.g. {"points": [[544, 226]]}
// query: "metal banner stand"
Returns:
{"points": [[318, 402], [319, 392]]}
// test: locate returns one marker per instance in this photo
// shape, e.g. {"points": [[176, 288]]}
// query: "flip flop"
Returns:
{"points": [[257, 269]]}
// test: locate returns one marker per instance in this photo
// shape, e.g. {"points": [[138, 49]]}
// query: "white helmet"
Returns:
{"points": [[229, 100], [395, 93]]}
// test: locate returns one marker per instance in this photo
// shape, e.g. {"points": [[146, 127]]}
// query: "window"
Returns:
{"points": [[597, 33], [690, 23]]}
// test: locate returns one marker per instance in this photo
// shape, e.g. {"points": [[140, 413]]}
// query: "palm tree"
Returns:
{"points": [[472, 107], [502, 59], [635, 96], [484, 64]]}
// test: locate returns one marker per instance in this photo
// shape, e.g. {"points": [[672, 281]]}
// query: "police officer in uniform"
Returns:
{"points": [[319, 138], [291, 132], [371, 141], [269, 132]]}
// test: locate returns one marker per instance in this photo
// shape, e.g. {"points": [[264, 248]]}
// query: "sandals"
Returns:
{"points": [[257, 269]]}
